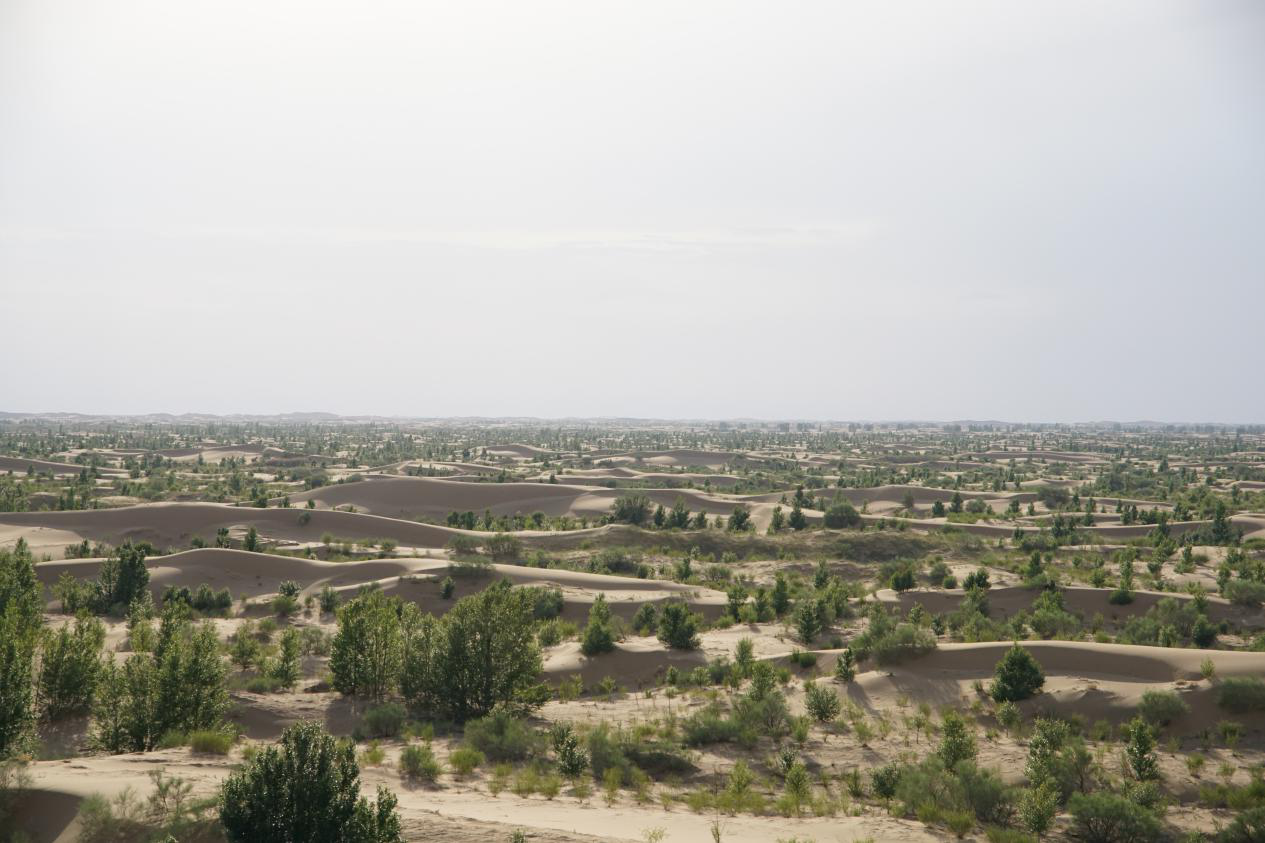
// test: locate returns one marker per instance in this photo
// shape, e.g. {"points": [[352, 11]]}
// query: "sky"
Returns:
{"points": [[1039, 211]]}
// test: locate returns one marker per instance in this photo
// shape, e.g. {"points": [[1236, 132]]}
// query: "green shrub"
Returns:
{"points": [[464, 760], [1161, 707], [1018, 676], [211, 741], [501, 736], [384, 721], [821, 701], [678, 626], [1108, 818], [904, 642], [1242, 693], [418, 762], [307, 787]]}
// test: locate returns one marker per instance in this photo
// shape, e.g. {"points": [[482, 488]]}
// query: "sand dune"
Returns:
{"points": [[633, 664], [244, 573], [19, 465], [1085, 602], [173, 525], [414, 497]]}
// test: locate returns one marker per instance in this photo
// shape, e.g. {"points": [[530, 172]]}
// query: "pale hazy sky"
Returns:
{"points": [[1027, 211]]}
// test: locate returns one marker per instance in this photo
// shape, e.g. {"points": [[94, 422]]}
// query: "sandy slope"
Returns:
{"points": [[413, 497], [173, 525], [1085, 602], [19, 465]]}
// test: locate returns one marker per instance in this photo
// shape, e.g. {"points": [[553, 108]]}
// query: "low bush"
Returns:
{"points": [[502, 737], [384, 721], [418, 762], [464, 760], [1161, 707], [1242, 693], [211, 741], [1108, 818]]}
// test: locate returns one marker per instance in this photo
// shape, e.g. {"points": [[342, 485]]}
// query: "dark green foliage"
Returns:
{"points": [[70, 666], [305, 790], [1247, 827], [740, 519], [1161, 707], [366, 654], [808, 623], [1017, 677], [846, 667], [20, 621], [821, 701], [572, 758], [1139, 750], [502, 737], [1241, 694], [482, 653], [956, 741], [1108, 818], [842, 515], [122, 578], [631, 509], [599, 635], [678, 626]]}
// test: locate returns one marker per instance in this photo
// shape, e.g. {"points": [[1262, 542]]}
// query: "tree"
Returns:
{"points": [[1038, 807], [305, 790], [846, 666], [70, 666], [781, 595], [956, 741], [252, 540], [1108, 818], [660, 516], [366, 654], [599, 635], [191, 693], [631, 509], [679, 517], [798, 520], [1139, 750], [481, 654], [1018, 676], [842, 515], [20, 622], [109, 711], [808, 623], [122, 578], [678, 626], [778, 520], [937, 509], [740, 520], [286, 669], [821, 702], [955, 505], [737, 598]]}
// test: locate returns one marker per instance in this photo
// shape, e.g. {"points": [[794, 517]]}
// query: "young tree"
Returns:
{"points": [[122, 578], [737, 598], [679, 517], [678, 626], [1038, 807], [1139, 750], [70, 666], [481, 654], [807, 620], [286, 669], [821, 702], [1017, 677], [20, 623], [798, 520], [305, 790], [366, 654], [631, 509], [599, 635], [845, 667], [778, 520], [740, 520], [781, 595], [956, 741]]}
